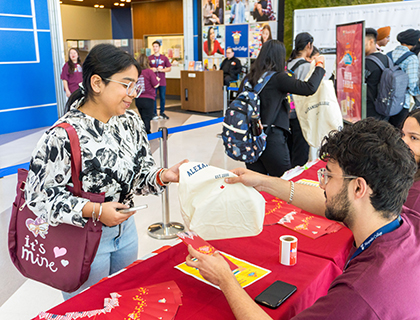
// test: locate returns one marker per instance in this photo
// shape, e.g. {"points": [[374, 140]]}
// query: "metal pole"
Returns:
{"points": [[165, 229]]}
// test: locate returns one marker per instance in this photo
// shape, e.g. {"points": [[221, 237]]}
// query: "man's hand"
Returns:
{"points": [[172, 174], [213, 268], [248, 178]]}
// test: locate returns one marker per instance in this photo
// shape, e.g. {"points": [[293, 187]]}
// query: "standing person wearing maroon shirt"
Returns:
{"points": [[367, 178], [71, 73], [146, 101], [160, 65]]}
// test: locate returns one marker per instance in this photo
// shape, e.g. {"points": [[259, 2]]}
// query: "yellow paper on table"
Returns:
{"points": [[246, 274]]}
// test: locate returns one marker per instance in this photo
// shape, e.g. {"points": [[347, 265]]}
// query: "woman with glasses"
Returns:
{"points": [[148, 81], [116, 161]]}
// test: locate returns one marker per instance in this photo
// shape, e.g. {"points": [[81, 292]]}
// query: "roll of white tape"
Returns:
{"points": [[288, 250]]}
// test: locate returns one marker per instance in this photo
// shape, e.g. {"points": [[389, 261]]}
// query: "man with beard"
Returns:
{"points": [[364, 185]]}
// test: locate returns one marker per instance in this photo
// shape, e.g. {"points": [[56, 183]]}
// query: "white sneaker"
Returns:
{"points": [[156, 117]]}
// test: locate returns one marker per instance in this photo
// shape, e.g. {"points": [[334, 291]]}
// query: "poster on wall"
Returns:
{"points": [[237, 39], [214, 41], [258, 34], [262, 10], [237, 11], [213, 12], [350, 65]]}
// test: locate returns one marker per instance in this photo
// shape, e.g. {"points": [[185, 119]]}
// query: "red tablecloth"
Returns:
{"points": [[319, 261], [311, 275]]}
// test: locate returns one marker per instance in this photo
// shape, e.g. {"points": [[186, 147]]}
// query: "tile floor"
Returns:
{"points": [[22, 299]]}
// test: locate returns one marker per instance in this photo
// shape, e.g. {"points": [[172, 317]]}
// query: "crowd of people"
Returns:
{"points": [[371, 182]]}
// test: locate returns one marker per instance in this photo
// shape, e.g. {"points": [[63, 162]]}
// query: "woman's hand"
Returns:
{"points": [[320, 61], [109, 216], [172, 174]]}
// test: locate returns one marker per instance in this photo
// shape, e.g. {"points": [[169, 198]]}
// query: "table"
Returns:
{"points": [[319, 262]]}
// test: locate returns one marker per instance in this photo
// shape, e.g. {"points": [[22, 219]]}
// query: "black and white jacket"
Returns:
{"points": [[116, 160]]}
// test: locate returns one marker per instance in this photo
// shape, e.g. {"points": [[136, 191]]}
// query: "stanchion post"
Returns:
{"points": [[164, 229]]}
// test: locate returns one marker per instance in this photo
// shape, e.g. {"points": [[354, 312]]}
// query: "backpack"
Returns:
{"points": [[242, 135], [392, 85]]}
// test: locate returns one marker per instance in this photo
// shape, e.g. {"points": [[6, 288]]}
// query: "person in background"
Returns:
{"points": [[274, 110], [237, 12], [298, 64], [211, 45], [266, 33], [208, 13], [160, 65], [116, 160], [71, 74], [148, 82], [364, 185], [411, 136], [315, 53], [408, 39], [373, 73], [383, 37], [218, 14], [231, 67]]}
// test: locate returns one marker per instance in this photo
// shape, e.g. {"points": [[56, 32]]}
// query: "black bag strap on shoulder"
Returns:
{"points": [[297, 64], [379, 62]]}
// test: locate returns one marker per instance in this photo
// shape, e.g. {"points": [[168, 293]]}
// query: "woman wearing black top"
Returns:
{"points": [[274, 109]]}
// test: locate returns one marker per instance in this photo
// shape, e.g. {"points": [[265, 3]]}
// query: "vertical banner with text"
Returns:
{"points": [[350, 65]]}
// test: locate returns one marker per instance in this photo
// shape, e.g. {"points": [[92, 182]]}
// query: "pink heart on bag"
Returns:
{"points": [[58, 252]]}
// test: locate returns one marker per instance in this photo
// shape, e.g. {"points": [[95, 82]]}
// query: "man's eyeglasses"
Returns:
{"points": [[132, 87], [323, 176]]}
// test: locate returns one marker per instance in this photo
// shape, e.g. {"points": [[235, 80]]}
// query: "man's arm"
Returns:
{"points": [[308, 198], [216, 270]]}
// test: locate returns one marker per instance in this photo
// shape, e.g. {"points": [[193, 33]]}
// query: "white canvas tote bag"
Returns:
{"points": [[214, 209]]}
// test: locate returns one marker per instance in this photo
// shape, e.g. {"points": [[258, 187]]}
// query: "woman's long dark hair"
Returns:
{"points": [[301, 41], [271, 58], [104, 60], [71, 63], [416, 115], [209, 44], [143, 62]]}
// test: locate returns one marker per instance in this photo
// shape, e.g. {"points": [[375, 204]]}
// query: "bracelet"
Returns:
{"points": [[292, 192], [100, 212], [318, 63], [159, 178], [93, 214]]}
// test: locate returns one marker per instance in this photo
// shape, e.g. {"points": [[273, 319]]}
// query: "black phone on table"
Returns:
{"points": [[275, 294]]}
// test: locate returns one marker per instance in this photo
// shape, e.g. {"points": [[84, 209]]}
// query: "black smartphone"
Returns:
{"points": [[275, 294]]}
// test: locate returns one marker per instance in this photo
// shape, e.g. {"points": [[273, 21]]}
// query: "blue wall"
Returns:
{"points": [[121, 23], [27, 90]]}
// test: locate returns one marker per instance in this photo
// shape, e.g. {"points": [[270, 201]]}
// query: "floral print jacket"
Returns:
{"points": [[116, 160]]}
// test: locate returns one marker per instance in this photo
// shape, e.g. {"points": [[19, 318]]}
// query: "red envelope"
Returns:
{"points": [[201, 245]]}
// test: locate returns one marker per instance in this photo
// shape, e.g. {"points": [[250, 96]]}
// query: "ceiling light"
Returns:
{"points": [[122, 0], [122, 4], [78, 0], [116, 4], [96, 5], [101, 6], [128, 0]]}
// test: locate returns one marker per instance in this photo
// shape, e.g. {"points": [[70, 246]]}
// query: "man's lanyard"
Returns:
{"points": [[157, 62], [393, 225]]}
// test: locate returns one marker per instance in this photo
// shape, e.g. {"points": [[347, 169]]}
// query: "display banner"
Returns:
{"points": [[321, 22], [237, 39], [350, 65]]}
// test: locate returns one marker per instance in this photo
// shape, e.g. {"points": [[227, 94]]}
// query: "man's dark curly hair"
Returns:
{"points": [[374, 150]]}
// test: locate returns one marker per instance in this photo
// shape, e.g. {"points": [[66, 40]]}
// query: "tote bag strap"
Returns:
{"points": [[76, 157]]}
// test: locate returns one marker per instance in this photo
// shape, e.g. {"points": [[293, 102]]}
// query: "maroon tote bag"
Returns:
{"points": [[56, 256]]}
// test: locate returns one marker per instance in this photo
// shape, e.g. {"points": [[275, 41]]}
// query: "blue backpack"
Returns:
{"points": [[242, 135]]}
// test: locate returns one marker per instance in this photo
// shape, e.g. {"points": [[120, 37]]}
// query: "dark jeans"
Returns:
{"points": [[145, 107], [228, 79], [398, 119], [275, 159], [162, 93], [298, 147]]}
